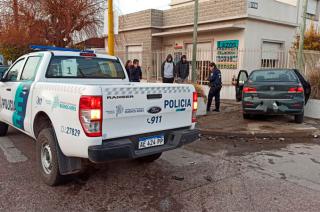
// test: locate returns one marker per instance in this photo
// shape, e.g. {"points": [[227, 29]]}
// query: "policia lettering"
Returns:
{"points": [[7, 104], [20, 104], [180, 103]]}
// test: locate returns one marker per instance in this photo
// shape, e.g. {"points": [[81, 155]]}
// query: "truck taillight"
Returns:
{"points": [[194, 107], [90, 115]]}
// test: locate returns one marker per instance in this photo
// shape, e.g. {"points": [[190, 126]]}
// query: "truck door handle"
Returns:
{"points": [[8, 89], [154, 96]]}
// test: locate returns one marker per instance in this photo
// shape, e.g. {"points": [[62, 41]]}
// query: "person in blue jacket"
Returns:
{"points": [[135, 72], [215, 84]]}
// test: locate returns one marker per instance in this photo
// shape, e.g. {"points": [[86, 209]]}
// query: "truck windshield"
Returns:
{"points": [[273, 76], [84, 67]]}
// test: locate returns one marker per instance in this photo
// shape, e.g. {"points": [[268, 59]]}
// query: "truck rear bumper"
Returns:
{"points": [[126, 148]]}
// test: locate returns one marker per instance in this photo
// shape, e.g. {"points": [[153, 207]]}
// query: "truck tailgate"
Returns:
{"points": [[143, 108]]}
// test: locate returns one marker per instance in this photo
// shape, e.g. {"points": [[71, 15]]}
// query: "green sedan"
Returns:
{"points": [[273, 92]]}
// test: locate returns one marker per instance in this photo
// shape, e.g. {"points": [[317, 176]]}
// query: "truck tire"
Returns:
{"points": [[3, 129], [47, 158], [149, 158], [299, 118]]}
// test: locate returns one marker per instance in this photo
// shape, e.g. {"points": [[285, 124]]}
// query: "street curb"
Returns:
{"points": [[301, 134]]}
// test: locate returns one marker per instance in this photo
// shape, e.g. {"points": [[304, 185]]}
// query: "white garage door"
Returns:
{"points": [[204, 51], [134, 52], [271, 54]]}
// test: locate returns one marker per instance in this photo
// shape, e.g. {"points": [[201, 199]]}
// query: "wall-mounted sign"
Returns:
{"points": [[253, 4], [227, 55]]}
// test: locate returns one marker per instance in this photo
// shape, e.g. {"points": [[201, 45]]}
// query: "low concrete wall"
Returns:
{"points": [[227, 91], [202, 107], [312, 109]]}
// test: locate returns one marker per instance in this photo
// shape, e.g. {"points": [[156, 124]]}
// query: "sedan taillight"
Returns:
{"points": [[296, 90], [90, 115], [249, 90]]}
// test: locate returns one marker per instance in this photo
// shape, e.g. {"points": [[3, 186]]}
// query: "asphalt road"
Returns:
{"points": [[214, 174]]}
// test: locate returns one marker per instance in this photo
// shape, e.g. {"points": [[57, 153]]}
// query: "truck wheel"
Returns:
{"points": [[3, 129], [299, 118], [47, 159], [150, 158]]}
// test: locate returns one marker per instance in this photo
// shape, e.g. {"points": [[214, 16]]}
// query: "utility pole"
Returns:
{"points": [[195, 40], [15, 13], [302, 31], [110, 28]]}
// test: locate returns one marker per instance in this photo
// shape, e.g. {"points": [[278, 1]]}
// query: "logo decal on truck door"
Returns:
{"points": [[20, 104], [63, 105]]}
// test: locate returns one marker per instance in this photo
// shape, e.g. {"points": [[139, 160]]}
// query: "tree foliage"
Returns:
{"points": [[311, 39], [48, 22]]}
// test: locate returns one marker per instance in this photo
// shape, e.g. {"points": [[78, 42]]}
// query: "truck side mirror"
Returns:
{"points": [[2, 75]]}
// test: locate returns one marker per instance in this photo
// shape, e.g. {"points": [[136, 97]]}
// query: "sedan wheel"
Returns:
{"points": [[299, 118]]}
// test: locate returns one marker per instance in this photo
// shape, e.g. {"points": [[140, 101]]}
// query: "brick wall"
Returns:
{"points": [[208, 10], [136, 37], [134, 20]]}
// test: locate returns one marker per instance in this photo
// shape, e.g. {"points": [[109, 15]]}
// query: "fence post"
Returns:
{"points": [[195, 41]]}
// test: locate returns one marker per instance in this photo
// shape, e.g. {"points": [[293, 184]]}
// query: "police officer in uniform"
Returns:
{"points": [[215, 84]]}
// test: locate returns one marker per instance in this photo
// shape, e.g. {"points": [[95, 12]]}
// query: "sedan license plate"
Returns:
{"points": [[151, 141]]}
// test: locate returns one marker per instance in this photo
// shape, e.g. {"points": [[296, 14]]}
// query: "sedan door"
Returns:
{"points": [[241, 80], [306, 85]]}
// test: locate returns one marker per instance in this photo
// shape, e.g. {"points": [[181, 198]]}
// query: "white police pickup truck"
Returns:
{"points": [[79, 105]]}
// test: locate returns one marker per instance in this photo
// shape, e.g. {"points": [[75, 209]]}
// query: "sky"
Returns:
{"points": [[129, 6]]}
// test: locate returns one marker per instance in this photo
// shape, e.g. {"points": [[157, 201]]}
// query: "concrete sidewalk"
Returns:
{"points": [[229, 122]]}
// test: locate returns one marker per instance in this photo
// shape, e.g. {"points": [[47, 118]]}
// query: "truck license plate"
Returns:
{"points": [[151, 141]]}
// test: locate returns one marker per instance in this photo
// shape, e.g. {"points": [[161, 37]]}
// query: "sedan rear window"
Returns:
{"points": [[273, 76], [84, 67]]}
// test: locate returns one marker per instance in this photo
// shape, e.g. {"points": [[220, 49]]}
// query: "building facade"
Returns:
{"points": [[236, 34]]}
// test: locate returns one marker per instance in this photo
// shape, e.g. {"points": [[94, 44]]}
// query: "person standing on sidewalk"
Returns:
{"points": [[215, 84], [168, 70], [128, 67], [135, 72], [182, 69]]}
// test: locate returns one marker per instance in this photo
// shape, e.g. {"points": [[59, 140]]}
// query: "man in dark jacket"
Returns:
{"points": [[215, 84], [135, 72], [168, 72], [182, 69]]}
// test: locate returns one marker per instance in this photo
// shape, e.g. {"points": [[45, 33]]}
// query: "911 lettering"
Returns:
{"points": [[154, 120], [180, 103]]}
